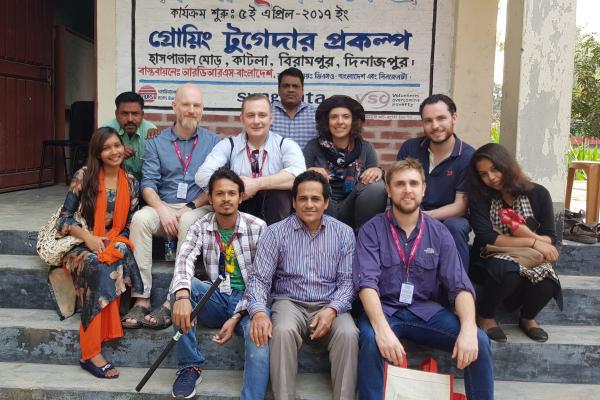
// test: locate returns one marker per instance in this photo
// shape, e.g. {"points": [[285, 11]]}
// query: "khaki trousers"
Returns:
{"points": [[291, 319], [145, 223]]}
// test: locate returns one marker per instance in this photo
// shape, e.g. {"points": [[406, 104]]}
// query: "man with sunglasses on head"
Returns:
{"points": [[266, 161], [225, 238]]}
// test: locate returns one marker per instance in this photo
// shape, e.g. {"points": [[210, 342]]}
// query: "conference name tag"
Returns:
{"points": [[182, 189], [406, 293]]}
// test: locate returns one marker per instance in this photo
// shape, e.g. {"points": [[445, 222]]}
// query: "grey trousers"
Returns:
{"points": [[362, 204], [291, 319]]}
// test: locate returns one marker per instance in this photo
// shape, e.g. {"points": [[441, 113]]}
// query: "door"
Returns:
{"points": [[26, 91]]}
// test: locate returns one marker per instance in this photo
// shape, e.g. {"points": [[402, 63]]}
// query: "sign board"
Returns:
{"points": [[380, 52]]}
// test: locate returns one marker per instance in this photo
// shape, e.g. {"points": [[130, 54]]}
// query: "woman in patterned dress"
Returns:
{"points": [[103, 265], [507, 210]]}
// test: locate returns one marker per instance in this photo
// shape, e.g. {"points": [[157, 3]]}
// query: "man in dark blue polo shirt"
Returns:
{"points": [[445, 159], [402, 258]]}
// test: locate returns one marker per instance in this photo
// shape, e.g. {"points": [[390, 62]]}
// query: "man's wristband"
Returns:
{"points": [[182, 298], [236, 316], [191, 205]]}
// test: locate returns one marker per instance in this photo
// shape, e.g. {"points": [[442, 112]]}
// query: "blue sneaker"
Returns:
{"points": [[185, 383]]}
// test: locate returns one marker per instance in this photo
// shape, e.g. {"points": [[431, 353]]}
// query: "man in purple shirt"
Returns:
{"points": [[304, 265], [402, 257]]}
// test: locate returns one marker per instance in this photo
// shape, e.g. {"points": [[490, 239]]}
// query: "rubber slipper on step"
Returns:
{"points": [[98, 372]]}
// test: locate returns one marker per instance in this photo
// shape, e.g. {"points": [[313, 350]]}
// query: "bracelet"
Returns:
{"points": [[533, 245], [182, 298], [236, 316]]}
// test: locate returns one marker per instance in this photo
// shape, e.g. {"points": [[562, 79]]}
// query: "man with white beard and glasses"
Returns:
{"points": [[173, 199]]}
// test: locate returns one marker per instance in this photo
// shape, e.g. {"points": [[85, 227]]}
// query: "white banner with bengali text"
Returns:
{"points": [[380, 52]]}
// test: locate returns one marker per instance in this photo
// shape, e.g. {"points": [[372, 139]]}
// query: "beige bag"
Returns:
{"points": [[525, 256], [51, 249]]}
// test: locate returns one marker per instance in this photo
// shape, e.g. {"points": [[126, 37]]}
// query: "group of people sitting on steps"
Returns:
{"points": [[318, 243]]}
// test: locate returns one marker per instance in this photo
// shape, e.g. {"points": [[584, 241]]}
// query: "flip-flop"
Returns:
{"points": [[98, 372], [138, 313], [162, 315]]}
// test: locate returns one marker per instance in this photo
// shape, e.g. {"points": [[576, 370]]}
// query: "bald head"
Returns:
{"points": [[188, 106]]}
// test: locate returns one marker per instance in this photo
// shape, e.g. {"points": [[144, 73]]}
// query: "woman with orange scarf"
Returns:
{"points": [[103, 265]]}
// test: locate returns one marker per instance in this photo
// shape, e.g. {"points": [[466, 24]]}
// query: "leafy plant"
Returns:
{"points": [[582, 152], [585, 110], [495, 134]]}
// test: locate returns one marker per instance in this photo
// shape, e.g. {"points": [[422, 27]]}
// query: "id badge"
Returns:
{"points": [[182, 189], [406, 293]]}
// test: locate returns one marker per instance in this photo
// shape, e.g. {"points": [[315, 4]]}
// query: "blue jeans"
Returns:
{"points": [[439, 332], [218, 309], [459, 229]]}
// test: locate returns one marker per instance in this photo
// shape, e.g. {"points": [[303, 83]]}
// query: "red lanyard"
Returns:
{"points": [[220, 241], [188, 159], [262, 164], [399, 247]]}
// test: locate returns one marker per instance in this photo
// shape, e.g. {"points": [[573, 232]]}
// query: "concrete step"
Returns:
{"points": [[65, 382], [21, 381], [575, 258], [39, 336], [578, 259], [25, 277], [571, 355]]}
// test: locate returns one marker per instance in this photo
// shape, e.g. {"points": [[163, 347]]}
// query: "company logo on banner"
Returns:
{"points": [[379, 52]]}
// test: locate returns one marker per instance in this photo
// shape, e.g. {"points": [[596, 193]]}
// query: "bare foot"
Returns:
{"points": [[99, 361]]}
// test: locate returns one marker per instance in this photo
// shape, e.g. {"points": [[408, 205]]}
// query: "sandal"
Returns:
{"points": [[98, 372], [581, 233], [137, 313], [162, 315]]}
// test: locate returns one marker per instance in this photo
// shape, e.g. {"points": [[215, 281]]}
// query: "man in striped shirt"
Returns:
{"points": [[304, 265], [227, 237]]}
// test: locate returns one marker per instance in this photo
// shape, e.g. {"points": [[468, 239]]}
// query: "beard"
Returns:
{"points": [[407, 209], [188, 123], [448, 135]]}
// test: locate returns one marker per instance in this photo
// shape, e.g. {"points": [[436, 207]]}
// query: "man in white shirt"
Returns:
{"points": [[266, 161]]}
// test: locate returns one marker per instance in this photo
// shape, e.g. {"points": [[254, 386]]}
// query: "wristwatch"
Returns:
{"points": [[191, 205]]}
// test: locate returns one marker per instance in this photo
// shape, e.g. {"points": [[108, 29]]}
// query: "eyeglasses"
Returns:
{"points": [[254, 162]]}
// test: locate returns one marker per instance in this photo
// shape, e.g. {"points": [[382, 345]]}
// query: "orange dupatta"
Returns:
{"points": [[121, 212]]}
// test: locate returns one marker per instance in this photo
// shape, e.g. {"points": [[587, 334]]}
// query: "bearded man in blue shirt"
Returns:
{"points": [[402, 258]]}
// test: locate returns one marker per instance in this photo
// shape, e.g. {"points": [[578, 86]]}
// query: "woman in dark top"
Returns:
{"points": [[349, 162], [508, 210]]}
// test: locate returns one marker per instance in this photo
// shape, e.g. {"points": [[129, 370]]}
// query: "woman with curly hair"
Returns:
{"points": [[515, 240], [347, 161], [103, 265]]}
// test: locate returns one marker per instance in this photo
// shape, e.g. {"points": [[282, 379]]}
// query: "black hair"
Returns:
{"points": [[312, 176], [436, 98], [129, 97], [322, 115], [225, 173], [290, 72], [514, 181]]}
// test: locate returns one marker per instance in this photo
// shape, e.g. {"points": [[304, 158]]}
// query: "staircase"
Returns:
{"points": [[39, 353]]}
